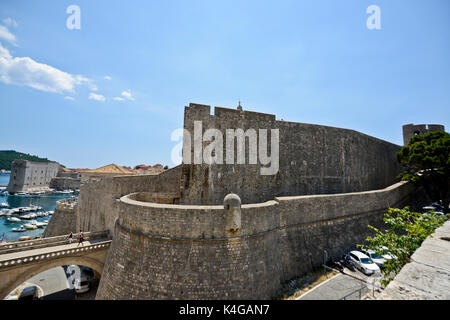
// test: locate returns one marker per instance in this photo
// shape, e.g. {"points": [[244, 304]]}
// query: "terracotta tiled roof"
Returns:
{"points": [[111, 168]]}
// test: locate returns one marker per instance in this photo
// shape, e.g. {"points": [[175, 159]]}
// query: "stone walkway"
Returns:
{"points": [[50, 249], [427, 276]]}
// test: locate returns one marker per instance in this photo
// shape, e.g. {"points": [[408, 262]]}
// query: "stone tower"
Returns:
{"points": [[410, 130]]}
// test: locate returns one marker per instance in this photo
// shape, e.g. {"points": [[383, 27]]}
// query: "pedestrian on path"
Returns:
{"points": [[80, 238], [70, 237]]}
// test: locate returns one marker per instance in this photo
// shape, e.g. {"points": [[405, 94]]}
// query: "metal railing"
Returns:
{"points": [[365, 285]]}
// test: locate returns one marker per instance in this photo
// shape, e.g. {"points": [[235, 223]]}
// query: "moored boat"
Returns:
{"points": [[13, 219], [29, 226]]}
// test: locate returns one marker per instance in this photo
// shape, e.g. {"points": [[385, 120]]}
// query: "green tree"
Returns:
{"points": [[406, 232], [8, 156], [427, 162]]}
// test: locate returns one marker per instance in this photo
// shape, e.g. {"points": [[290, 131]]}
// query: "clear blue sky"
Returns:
{"points": [[305, 61]]}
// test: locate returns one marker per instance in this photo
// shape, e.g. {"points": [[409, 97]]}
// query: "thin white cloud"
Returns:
{"points": [[93, 87], [24, 71], [10, 22], [5, 34], [118, 99], [97, 97], [69, 98], [107, 78], [127, 94]]}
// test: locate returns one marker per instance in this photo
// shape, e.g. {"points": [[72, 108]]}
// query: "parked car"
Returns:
{"points": [[29, 293], [436, 213], [346, 262], [82, 284], [87, 271], [388, 255], [363, 262], [378, 259]]}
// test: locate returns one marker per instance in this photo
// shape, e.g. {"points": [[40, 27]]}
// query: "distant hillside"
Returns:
{"points": [[7, 156]]}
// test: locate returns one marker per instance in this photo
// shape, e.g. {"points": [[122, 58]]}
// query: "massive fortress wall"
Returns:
{"points": [[97, 203], [63, 220], [163, 251], [171, 234], [313, 159], [409, 130], [30, 175]]}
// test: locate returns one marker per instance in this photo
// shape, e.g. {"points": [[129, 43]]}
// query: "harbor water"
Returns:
{"points": [[47, 202]]}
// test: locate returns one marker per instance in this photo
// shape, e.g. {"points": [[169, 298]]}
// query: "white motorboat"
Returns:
{"points": [[5, 212], [4, 205], [13, 219], [29, 216], [50, 212], [20, 229], [40, 224], [29, 226]]}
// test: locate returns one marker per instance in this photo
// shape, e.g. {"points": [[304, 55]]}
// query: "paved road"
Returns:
{"points": [[341, 286], [54, 284], [51, 281]]}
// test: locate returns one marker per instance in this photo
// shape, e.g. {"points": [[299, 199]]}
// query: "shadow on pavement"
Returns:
{"points": [[67, 294]]}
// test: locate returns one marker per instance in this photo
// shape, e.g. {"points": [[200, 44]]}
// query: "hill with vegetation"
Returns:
{"points": [[8, 156]]}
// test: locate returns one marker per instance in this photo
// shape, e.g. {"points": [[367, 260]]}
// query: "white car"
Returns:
{"points": [[378, 259], [388, 255], [82, 284], [363, 262]]}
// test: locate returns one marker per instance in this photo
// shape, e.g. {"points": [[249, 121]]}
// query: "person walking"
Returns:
{"points": [[70, 237], [80, 238]]}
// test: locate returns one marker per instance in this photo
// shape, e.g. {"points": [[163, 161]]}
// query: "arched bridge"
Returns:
{"points": [[22, 260]]}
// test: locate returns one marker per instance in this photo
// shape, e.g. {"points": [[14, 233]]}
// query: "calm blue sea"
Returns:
{"points": [[46, 202], [4, 179]]}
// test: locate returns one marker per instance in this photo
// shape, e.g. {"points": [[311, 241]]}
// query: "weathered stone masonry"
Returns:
{"points": [[314, 159], [63, 220], [172, 235], [165, 251]]}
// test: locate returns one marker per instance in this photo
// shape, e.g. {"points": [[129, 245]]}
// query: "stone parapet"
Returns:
{"points": [[427, 276], [167, 251]]}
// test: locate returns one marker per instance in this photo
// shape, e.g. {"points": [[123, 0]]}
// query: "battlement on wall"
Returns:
{"points": [[409, 130], [197, 111]]}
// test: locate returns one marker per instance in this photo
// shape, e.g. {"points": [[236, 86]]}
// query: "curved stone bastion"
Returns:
{"points": [[233, 251]]}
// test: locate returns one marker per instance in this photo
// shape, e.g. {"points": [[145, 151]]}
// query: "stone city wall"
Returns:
{"points": [[409, 130], [313, 159], [97, 202], [31, 176], [65, 183], [63, 220], [164, 251]]}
